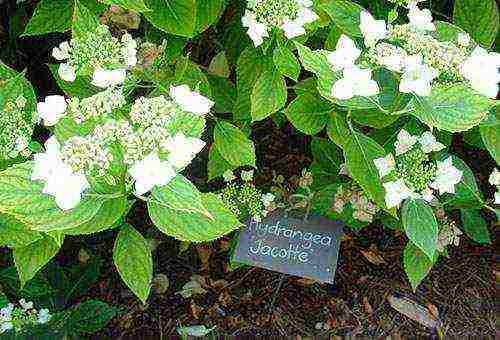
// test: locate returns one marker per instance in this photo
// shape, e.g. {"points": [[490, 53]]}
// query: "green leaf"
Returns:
{"points": [[15, 234], [446, 31], [81, 87], [269, 93], [217, 165], [286, 62], [327, 154], [50, 16], [420, 225], [223, 93], [454, 107], [219, 66], [475, 226], [467, 193], [195, 227], [173, 16], [417, 264], [181, 195], [84, 20], [308, 113], [233, 145], [23, 199], [478, 17], [345, 14], [134, 5], [248, 70], [337, 128], [490, 132], [359, 153], [132, 258], [207, 13], [31, 258], [87, 317]]}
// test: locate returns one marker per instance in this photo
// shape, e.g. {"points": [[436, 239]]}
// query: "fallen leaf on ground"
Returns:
{"points": [[192, 287], [414, 311], [160, 283], [196, 331], [373, 255], [366, 305]]}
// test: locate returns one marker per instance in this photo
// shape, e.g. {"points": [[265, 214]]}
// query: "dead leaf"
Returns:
{"points": [[160, 283], [373, 255], [366, 305], [305, 281], [414, 311], [204, 252], [433, 310], [196, 310]]}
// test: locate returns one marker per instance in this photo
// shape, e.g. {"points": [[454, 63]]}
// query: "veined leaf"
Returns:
{"points": [[475, 226], [308, 113], [478, 17], [268, 94], [15, 234], [345, 14], [173, 16], [417, 264], [233, 145], [420, 225], [467, 193], [50, 16]]}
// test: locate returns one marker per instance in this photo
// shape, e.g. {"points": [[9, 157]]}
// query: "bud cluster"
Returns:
{"points": [[97, 106], [364, 210], [273, 12], [16, 130]]}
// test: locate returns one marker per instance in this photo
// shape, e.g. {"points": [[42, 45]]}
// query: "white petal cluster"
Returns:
{"points": [[150, 172], [23, 317], [228, 176], [481, 69], [60, 181], [447, 176], [495, 180], [385, 165], [355, 82], [52, 109], [420, 19], [345, 55], [6, 318], [372, 30], [417, 76], [182, 149], [107, 78], [190, 101], [429, 143], [257, 31], [396, 192], [295, 28], [405, 142]]}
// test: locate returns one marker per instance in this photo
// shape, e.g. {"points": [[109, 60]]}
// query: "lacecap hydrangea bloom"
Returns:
{"points": [[153, 143], [99, 54], [413, 172], [290, 16], [19, 318], [16, 128]]}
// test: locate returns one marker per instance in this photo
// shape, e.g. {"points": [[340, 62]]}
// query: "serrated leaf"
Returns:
{"points": [[490, 133], [475, 226], [81, 87], [87, 317], [50, 16], [233, 145], [345, 14], [417, 265], [269, 93], [84, 20], [467, 193], [420, 225], [219, 66], [308, 113], [194, 227], [207, 13], [453, 108], [359, 153], [248, 69], [478, 17], [31, 258], [173, 16], [15, 234], [337, 128], [181, 195], [223, 93], [24, 200], [217, 165], [133, 260], [327, 154], [286, 62], [134, 5]]}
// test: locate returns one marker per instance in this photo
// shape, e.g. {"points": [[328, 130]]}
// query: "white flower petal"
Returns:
{"points": [[385, 165], [66, 72], [404, 142], [447, 176], [429, 143], [190, 101]]}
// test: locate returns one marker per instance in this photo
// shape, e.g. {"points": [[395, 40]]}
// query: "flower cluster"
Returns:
{"points": [[449, 234], [99, 54], [16, 129], [495, 180], [19, 318], [411, 50], [288, 15], [245, 200], [364, 210], [413, 173], [154, 143]]}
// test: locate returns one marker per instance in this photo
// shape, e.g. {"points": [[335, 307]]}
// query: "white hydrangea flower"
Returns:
{"points": [[495, 178], [66, 72], [396, 192], [355, 82], [149, 172], [420, 19], [25, 305], [190, 101], [182, 149], [429, 143], [427, 194], [6, 318], [247, 176], [52, 109], [497, 198], [268, 199], [105, 78], [62, 52], [228, 176], [482, 70], [385, 165], [373, 30], [43, 316], [60, 181], [129, 50], [417, 77], [463, 39], [345, 55], [447, 176], [295, 28], [256, 31], [404, 142]]}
